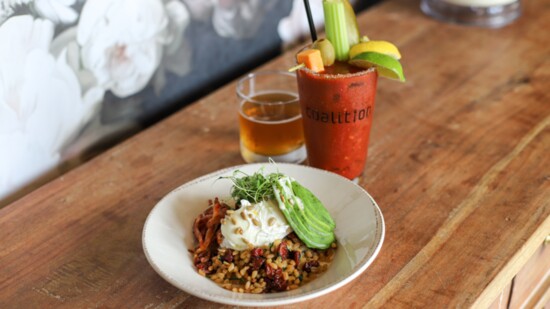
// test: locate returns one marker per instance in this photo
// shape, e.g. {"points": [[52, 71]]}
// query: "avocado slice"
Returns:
{"points": [[305, 213]]}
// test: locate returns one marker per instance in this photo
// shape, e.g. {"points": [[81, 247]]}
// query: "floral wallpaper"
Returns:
{"points": [[77, 73]]}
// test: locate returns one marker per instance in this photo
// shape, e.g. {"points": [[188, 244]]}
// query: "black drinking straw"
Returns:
{"points": [[310, 21]]}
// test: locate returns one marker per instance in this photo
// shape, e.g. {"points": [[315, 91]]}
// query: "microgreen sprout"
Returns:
{"points": [[253, 188]]}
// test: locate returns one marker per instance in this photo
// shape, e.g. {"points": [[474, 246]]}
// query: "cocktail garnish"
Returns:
{"points": [[386, 66], [342, 31], [381, 47], [326, 49], [336, 28], [312, 59]]}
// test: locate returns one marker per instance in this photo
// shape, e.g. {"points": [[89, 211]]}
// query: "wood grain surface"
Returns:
{"points": [[459, 164]]}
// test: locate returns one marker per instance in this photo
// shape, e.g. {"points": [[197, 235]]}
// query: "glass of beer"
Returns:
{"points": [[270, 122]]}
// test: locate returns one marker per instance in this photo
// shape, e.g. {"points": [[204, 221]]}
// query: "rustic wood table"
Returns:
{"points": [[459, 163]]}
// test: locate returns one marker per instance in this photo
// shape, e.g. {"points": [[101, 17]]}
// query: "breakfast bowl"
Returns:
{"points": [[168, 233]]}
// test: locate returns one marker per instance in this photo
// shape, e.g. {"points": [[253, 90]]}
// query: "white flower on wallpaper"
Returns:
{"points": [[237, 18], [177, 53], [53, 82], [64, 46], [200, 9], [59, 58], [295, 25], [41, 104], [58, 11], [123, 42]]}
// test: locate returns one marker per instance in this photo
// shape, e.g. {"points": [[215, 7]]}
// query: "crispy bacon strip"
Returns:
{"points": [[199, 227], [207, 224]]}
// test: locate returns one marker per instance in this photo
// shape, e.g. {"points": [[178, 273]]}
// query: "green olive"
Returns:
{"points": [[327, 51]]}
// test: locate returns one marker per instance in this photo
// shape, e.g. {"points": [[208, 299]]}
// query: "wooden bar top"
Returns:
{"points": [[459, 163]]}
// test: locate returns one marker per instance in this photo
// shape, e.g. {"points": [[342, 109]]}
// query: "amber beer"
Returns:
{"points": [[270, 125], [270, 118]]}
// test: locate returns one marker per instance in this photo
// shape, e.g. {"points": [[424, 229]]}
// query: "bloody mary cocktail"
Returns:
{"points": [[337, 78], [337, 108]]}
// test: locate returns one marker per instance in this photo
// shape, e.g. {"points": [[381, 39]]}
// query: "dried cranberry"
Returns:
{"points": [[228, 256], [295, 255], [256, 252], [278, 285], [310, 264], [269, 271], [256, 262], [282, 250], [276, 282]]}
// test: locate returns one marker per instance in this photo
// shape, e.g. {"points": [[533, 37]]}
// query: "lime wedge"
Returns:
{"points": [[386, 66]]}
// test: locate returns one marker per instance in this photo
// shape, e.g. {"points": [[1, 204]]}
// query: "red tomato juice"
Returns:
{"points": [[337, 106]]}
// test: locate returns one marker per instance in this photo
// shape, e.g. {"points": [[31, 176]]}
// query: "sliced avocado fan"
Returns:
{"points": [[305, 213]]}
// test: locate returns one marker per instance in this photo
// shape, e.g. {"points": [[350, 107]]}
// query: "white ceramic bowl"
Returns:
{"points": [[167, 234]]}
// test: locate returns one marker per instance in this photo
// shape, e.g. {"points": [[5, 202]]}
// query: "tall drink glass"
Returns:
{"points": [[337, 108]]}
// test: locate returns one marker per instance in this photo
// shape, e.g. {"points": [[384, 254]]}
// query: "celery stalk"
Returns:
{"points": [[336, 28]]}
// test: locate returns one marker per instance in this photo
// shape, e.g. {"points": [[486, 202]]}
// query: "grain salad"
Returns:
{"points": [[270, 241], [284, 265]]}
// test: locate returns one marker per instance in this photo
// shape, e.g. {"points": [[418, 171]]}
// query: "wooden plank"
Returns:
{"points": [[502, 300], [533, 281], [458, 163]]}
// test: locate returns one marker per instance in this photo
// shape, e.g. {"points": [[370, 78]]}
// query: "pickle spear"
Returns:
{"points": [[351, 24]]}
